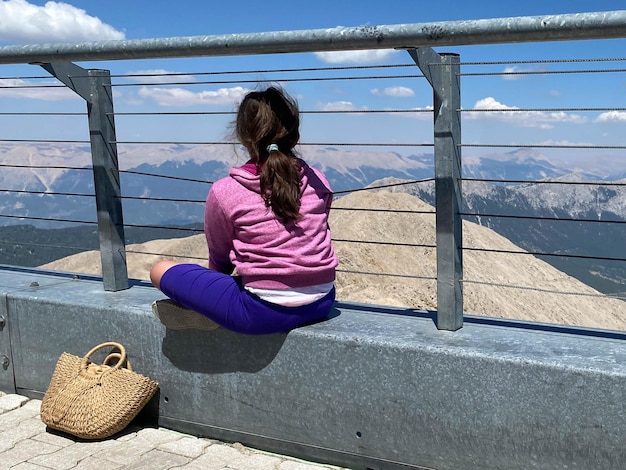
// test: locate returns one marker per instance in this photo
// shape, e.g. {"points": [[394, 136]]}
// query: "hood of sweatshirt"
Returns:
{"points": [[253, 182]]}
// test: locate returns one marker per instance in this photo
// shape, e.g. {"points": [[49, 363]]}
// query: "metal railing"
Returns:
{"points": [[442, 71]]}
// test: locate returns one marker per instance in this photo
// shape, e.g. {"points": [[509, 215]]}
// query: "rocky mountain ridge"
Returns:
{"points": [[185, 173], [401, 269], [166, 185]]}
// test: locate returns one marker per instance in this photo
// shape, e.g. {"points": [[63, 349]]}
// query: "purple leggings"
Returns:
{"points": [[223, 299]]}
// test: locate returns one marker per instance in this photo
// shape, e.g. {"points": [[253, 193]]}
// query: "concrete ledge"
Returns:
{"points": [[371, 388]]}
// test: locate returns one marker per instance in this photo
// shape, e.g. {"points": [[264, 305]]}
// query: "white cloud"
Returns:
{"points": [[490, 103], [159, 76], [48, 91], [395, 91], [492, 109], [565, 143], [424, 114], [339, 106], [355, 57], [182, 97], [24, 22], [512, 69], [516, 72], [611, 116]]}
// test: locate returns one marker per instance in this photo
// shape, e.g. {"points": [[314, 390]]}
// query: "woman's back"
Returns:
{"points": [[269, 252]]}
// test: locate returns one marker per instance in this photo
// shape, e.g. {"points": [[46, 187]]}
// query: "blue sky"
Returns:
{"points": [[30, 21]]}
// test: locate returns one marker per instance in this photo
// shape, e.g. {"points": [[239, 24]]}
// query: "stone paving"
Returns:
{"points": [[26, 445]]}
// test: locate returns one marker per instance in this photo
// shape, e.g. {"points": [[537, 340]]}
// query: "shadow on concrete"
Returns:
{"points": [[221, 350]]}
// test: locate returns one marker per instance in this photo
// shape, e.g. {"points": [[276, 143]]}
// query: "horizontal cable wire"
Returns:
{"points": [[179, 178], [46, 167], [333, 68], [546, 291], [517, 110], [263, 71], [34, 77], [233, 113], [540, 72], [165, 227], [346, 67], [546, 146], [382, 186], [541, 182], [391, 211], [530, 217], [168, 255], [301, 144], [546, 61], [46, 193], [227, 72], [41, 113], [31, 86], [538, 253], [161, 199], [45, 245], [256, 81], [47, 141], [26, 217], [375, 242], [369, 273]]}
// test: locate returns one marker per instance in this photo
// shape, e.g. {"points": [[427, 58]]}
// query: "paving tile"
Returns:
{"points": [[159, 460], [94, 463], [13, 418], [95, 446], [11, 402], [33, 405], [191, 447], [295, 465], [28, 466], [215, 457], [126, 452], [23, 450], [255, 462], [64, 458], [157, 436], [26, 444], [127, 434], [19, 431], [49, 437]]}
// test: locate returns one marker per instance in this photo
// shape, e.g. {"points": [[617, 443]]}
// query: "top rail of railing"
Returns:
{"points": [[576, 26]]}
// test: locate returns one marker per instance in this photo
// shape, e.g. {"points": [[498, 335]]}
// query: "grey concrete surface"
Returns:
{"points": [[26, 444]]}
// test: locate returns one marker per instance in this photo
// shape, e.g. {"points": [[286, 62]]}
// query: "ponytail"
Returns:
{"points": [[280, 184], [268, 126]]}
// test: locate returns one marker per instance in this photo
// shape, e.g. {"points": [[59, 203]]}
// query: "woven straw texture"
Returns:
{"points": [[95, 401]]}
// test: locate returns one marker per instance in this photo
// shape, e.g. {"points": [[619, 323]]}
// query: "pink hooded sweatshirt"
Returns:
{"points": [[268, 253]]}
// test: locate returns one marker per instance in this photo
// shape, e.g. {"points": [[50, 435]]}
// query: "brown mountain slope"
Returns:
{"points": [[516, 286]]}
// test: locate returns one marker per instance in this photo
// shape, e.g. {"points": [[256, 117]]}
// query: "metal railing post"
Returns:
{"points": [[94, 86], [442, 71], [7, 372]]}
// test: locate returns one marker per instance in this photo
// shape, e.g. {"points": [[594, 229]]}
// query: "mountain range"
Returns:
{"points": [[166, 172], [581, 228], [165, 185], [400, 269]]}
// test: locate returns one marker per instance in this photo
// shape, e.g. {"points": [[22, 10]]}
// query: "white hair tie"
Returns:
{"points": [[272, 148]]}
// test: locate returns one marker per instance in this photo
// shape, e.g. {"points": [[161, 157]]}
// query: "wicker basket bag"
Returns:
{"points": [[94, 401]]}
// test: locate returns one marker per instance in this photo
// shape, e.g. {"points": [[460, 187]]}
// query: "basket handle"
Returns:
{"points": [[117, 357], [122, 360]]}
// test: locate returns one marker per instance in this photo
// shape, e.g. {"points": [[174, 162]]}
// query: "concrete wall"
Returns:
{"points": [[371, 388]]}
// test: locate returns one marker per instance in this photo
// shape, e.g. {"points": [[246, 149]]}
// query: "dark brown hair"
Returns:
{"points": [[272, 117]]}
